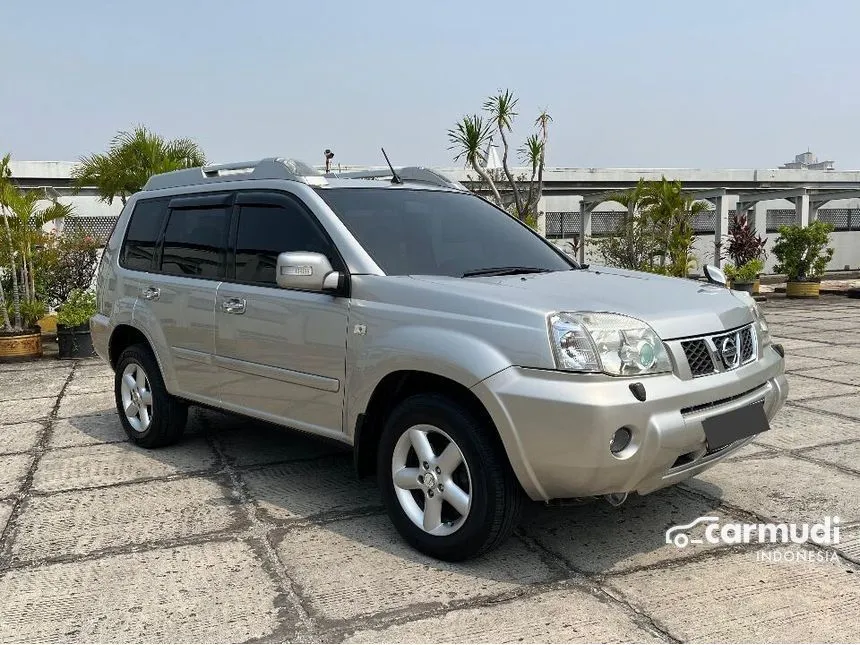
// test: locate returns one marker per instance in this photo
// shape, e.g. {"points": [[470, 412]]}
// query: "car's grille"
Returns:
{"points": [[721, 352], [698, 357], [747, 345]]}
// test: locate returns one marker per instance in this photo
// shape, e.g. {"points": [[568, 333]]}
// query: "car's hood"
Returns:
{"points": [[674, 307]]}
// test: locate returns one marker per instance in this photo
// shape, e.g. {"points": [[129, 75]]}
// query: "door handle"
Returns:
{"points": [[151, 293], [233, 306]]}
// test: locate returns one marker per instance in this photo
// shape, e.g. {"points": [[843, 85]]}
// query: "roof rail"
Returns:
{"points": [[416, 174], [268, 168]]}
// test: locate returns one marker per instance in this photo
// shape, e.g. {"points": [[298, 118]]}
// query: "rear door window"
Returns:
{"points": [[147, 219], [195, 241]]}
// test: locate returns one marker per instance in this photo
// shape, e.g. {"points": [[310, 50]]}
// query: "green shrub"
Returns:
{"points": [[67, 262], [803, 253], [746, 273], [77, 309], [31, 312]]}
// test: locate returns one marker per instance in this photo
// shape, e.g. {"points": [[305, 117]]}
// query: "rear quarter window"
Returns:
{"points": [[141, 237]]}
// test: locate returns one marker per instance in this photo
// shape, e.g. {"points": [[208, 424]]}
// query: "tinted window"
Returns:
{"points": [[266, 231], [415, 232], [194, 242], [147, 218]]}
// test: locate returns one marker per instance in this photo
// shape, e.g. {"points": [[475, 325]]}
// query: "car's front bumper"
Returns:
{"points": [[557, 426]]}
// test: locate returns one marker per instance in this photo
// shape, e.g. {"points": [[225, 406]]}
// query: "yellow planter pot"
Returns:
{"points": [[20, 348], [48, 324], [802, 289]]}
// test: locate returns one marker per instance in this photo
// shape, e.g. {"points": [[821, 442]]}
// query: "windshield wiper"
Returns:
{"points": [[505, 271]]}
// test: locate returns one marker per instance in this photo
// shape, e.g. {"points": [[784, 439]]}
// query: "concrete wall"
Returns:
{"points": [[846, 247]]}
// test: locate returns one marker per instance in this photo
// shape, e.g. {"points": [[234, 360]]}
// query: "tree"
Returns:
{"points": [[131, 159], [23, 220], [472, 134], [6, 188], [633, 245], [656, 233], [671, 212], [469, 137]]}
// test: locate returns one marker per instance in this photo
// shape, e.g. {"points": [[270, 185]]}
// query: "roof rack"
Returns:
{"points": [[416, 174], [268, 168]]}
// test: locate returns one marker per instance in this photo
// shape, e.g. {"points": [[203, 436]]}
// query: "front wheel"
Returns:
{"points": [[445, 479]]}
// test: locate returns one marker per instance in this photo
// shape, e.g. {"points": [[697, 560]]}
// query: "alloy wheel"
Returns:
{"points": [[431, 479], [136, 396]]}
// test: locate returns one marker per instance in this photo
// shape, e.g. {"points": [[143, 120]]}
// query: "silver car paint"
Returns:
{"points": [[313, 361]]}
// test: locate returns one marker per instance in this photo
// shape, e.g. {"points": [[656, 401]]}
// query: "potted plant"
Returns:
{"points": [[803, 256], [65, 262], [747, 253], [743, 278], [73, 324]]}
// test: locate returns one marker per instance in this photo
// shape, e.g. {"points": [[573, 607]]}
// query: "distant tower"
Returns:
{"points": [[329, 155], [808, 161]]}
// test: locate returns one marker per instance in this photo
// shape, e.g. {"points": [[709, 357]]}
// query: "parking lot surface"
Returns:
{"points": [[244, 532]]}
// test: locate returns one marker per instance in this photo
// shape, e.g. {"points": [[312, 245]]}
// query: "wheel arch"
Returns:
{"points": [[396, 387], [125, 335]]}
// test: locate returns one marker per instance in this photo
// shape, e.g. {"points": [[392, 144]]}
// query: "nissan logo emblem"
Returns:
{"points": [[729, 351]]}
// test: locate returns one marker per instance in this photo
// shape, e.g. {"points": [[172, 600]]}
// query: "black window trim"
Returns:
{"points": [[275, 197]]}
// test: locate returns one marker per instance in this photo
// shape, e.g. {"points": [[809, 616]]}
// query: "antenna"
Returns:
{"points": [[395, 179]]}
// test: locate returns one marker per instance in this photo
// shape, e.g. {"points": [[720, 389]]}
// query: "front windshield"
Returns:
{"points": [[429, 232]]}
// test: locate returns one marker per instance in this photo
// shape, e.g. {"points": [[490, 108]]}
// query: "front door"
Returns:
{"points": [[281, 353]]}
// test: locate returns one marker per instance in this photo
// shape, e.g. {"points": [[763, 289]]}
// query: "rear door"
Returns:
{"points": [[178, 297], [281, 352]]}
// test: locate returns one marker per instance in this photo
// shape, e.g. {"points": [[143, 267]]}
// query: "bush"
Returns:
{"points": [[746, 273], [67, 262], [744, 245], [803, 253], [31, 312], [78, 309]]}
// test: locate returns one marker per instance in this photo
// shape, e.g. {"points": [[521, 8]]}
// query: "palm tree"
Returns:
{"points": [[131, 159], [471, 130], [22, 219], [6, 190], [502, 108], [635, 229], [671, 211], [468, 138], [27, 221]]}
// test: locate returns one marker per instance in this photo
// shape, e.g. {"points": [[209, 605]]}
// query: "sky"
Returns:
{"points": [[696, 84]]}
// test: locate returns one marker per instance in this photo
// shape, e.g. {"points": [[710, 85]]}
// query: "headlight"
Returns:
{"points": [[611, 343], [761, 325]]}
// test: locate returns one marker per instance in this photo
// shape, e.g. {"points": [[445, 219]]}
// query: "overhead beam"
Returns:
{"points": [[786, 193], [829, 196]]}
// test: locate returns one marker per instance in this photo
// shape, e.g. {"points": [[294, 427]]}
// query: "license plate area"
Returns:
{"points": [[724, 429]]}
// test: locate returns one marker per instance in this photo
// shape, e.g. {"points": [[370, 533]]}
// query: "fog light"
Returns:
{"points": [[620, 440]]}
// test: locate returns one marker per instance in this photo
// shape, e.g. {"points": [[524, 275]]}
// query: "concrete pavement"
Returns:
{"points": [[243, 532]]}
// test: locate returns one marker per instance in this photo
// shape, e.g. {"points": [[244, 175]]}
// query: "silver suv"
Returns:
{"points": [[466, 361]]}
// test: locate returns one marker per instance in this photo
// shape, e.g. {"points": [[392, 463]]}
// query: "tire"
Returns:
{"points": [[161, 421], [494, 495]]}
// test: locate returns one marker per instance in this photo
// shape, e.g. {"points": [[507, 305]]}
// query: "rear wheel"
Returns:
{"points": [[445, 479], [150, 416]]}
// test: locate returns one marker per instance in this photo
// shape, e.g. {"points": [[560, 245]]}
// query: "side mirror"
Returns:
{"points": [[715, 275], [305, 270]]}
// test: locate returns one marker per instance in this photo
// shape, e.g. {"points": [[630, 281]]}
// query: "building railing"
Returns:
{"points": [[565, 224]]}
